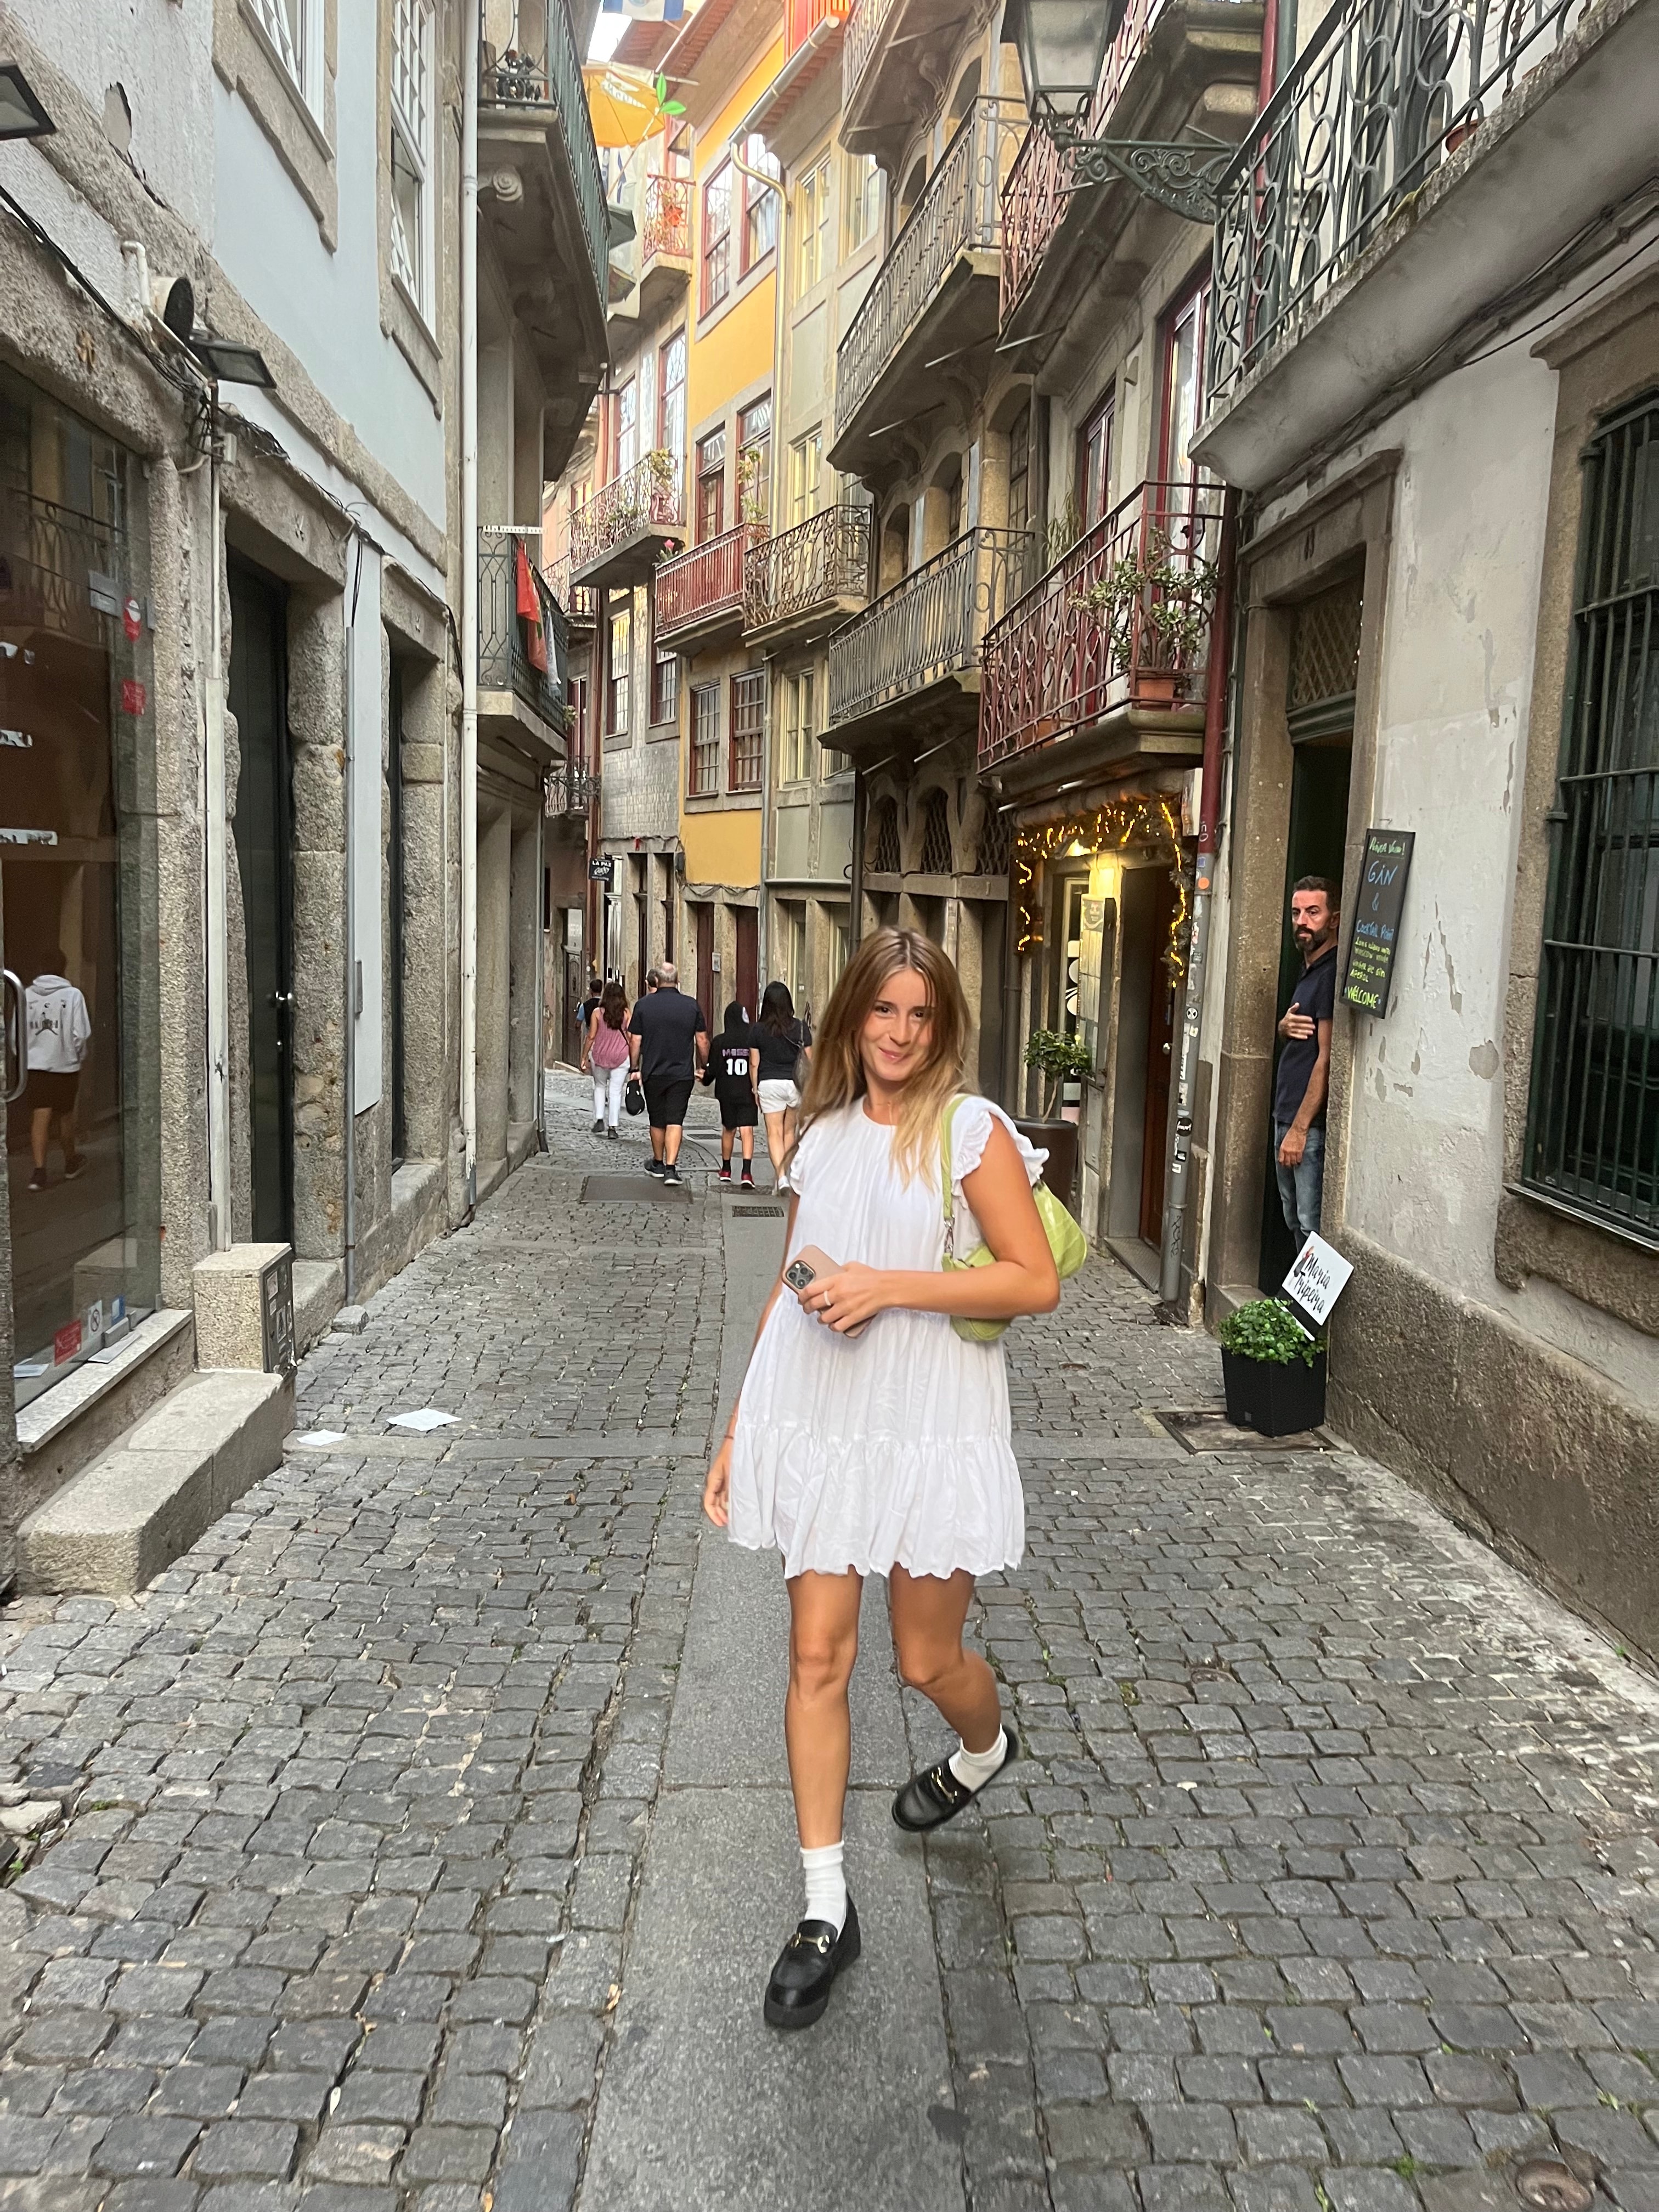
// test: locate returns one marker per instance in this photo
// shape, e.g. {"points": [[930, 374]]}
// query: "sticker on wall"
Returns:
{"points": [[134, 697], [132, 619], [66, 1343]]}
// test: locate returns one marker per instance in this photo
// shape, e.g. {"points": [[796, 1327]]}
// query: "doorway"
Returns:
{"points": [[705, 919], [394, 876], [1320, 769], [748, 922], [1140, 1071], [264, 833]]}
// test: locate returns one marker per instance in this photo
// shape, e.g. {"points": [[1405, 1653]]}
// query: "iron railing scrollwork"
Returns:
{"points": [[667, 227], [929, 625], [824, 558], [707, 582], [506, 662], [572, 789], [536, 65], [1122, 620], [1387, 91], [960, 211], [581, 602], [645, 497], [864, 28]]}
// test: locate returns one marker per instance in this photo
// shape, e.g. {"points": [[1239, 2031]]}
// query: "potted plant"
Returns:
{"points": [[1160, 601], [1274, 1371], [1059, 1059]]}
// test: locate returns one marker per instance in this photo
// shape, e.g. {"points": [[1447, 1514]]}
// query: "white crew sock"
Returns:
{"points": [[975, 1768], [826, 1886]]}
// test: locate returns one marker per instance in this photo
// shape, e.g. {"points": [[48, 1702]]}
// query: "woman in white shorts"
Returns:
{"points": [[785, 1055], [886, 1452]]}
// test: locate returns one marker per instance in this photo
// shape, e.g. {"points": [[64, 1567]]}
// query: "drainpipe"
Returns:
{"points": [[855, 875], [1209, 807], [762, 931], [469, 272]]}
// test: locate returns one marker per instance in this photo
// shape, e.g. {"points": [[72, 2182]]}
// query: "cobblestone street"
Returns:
{"points": [[419, 1841]]}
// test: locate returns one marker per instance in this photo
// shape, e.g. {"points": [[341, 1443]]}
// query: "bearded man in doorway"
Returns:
{"points": [[1304, 1066]]}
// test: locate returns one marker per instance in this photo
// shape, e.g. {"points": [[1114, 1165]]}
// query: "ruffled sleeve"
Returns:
{"points": [[971, 1131], [799, 1169]]}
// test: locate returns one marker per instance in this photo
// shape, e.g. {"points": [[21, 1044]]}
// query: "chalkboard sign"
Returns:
{"points": [[1376, 925]]}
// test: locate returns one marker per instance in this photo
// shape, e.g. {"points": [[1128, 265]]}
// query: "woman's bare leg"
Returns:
{"points": [[824, 1642], [928, 1612], [774, 1141]]}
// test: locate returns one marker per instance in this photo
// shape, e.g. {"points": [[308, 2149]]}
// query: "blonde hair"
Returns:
{"points": [[838, 1077]]}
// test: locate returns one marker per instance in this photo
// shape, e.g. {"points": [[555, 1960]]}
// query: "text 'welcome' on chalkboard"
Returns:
{"points": [[1376, 925]]}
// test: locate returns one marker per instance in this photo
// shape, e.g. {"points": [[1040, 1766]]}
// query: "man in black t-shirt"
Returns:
{"points": [[670, 1043], [1304, 1065]]}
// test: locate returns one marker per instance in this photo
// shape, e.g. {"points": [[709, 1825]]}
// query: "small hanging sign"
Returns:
{"points": [[1376, 924], [1317, 1280]]}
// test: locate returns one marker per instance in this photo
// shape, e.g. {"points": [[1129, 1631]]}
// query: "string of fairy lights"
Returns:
{"points": [[1139, 819]]}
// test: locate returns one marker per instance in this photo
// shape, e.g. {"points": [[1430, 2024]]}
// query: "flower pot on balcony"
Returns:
{"points": [[1157, 686], [1276, 1398], [1059, 1141]]}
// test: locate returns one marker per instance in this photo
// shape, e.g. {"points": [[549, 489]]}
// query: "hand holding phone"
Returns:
{"points": [[809, 1266]]}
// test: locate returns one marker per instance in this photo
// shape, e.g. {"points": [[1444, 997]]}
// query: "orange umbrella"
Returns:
{"points": [[628, 106]]}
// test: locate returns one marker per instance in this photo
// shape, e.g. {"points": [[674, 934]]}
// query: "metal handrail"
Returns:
{"points": [[826, 557], [539, 67], [1102, 628], [1386, 91], [929, 625], [645, 497], [960, 211], [504, 662], [705, 583]]}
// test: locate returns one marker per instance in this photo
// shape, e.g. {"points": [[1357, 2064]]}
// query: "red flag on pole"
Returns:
{"points": [[530, 605]]}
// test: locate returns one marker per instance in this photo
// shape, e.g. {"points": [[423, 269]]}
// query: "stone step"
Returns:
{"points": [[155, 1490]]}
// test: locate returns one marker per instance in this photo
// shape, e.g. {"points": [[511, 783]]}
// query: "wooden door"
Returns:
{"points": [[748, 963], [1160, 1055]]}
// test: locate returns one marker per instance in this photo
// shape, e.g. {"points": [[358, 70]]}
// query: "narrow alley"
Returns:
{"points": [[421, 1839]]}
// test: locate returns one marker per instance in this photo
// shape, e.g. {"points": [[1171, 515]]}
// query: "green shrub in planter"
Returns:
{"points": [[1060, 1059], [1272, 1370]]}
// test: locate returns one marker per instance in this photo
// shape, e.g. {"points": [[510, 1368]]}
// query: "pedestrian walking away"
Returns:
{"points": [[785, 1056], [59, 1031], [669, 1038], [1302, 1081], [733, 1068], [605, 1056], [871, 1435]]}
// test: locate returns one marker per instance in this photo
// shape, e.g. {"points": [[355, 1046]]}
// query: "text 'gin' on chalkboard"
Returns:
{"points": [[1376, 924]]}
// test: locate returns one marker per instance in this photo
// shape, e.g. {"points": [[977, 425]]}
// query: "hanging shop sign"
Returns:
{"points": [[603, 870], [1376, 924]]}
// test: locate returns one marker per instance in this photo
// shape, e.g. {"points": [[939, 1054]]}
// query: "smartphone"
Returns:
{"points": [[808, 1264]]}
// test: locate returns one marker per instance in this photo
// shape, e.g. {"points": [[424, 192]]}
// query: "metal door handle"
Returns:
{"points": [[14, 1041], [283, 999]]}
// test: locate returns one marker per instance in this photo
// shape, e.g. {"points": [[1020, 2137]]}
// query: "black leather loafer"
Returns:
{"points": [[930, 1799], [799, 1991]]}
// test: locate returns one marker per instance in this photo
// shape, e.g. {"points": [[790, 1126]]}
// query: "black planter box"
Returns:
{"points": [[1276, 1398]]}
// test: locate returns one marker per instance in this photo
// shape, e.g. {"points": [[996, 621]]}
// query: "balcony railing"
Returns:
{"points": [[929, 626], [572, 789], [666, 226], [509, 640], [825, 558], [700, 587], [803, 17], [1387, 91], [645, 497], [1122, 620], [864, 28], [581, 602], [1041, 184], [536, 65], [961, 209]]}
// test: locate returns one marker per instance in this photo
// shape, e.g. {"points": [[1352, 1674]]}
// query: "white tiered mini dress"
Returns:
{"points": [[890, 1449]]}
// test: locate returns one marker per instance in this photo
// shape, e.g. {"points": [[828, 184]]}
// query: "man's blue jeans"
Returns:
{"points": [[1301, 1188]]}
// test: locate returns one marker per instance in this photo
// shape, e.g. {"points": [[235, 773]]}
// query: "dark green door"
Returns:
{"points": [[1319, 829], [264, 833]]}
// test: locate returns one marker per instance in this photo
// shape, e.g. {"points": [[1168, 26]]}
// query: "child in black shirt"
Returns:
{"points": [[733, 1065]]}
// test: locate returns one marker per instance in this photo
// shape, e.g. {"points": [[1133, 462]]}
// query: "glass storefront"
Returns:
{"points": [[78, 870]]}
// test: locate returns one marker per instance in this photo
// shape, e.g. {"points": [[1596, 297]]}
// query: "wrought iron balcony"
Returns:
{"points": [[512, 645], [1122, 621], [936, 292], [536, 66], [700, 591], [1386, 92], [666, 225], [581, 602], [572, 788], [619, 535], [925, 634], [816, 571]]}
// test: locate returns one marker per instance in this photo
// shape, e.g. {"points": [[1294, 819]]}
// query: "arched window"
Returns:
{"points": [[936, 855], [883, 852]]}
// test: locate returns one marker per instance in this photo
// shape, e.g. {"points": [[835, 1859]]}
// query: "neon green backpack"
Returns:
{"points": [[1065, 1240]]}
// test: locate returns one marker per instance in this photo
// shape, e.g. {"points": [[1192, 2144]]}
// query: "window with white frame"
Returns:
{"points": [[791, 952], [800, 725], [294, 31], [412, 225], [861, 201], [805, 474]]}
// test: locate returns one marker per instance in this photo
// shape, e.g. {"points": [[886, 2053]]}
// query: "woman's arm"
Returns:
{"points": [[1021, 1280], [593, 1021], [716, 1489], [754, 1071]]}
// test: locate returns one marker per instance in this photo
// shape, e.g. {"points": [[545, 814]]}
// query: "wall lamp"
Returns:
{"points": [[1062, 46]]}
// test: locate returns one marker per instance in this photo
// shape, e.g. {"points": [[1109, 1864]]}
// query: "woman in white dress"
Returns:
{"points": [[869, 1437]]}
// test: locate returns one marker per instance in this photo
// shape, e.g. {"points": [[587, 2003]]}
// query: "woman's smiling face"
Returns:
{"points": [[898, 1033]]}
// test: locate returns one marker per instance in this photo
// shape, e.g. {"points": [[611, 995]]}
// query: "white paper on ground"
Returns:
{"points": [[318, 1439], [426, 1417]]}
